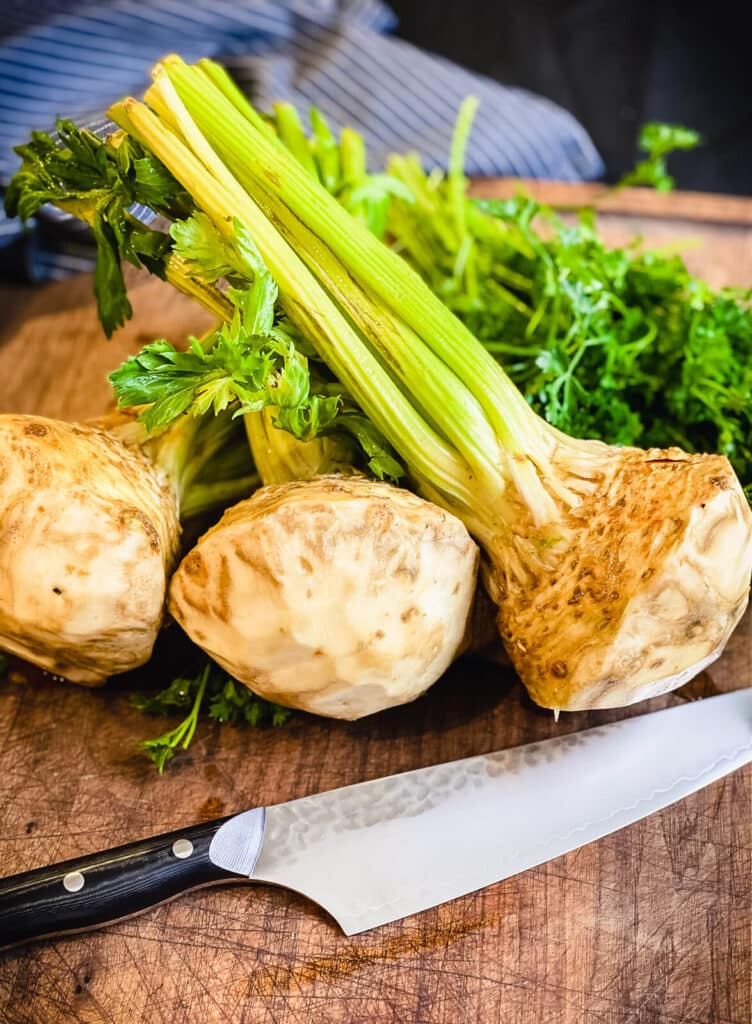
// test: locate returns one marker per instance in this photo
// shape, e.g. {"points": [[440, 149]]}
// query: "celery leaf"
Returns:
{"points": [[248, 364], [98, 180]]}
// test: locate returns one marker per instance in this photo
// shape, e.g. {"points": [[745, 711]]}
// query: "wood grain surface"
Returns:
{"points": [[648, 926]]}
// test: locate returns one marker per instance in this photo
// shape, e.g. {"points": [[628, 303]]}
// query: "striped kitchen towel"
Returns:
{"points": [[75, 58]]}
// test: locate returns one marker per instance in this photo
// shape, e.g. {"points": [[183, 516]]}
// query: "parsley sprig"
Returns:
{"points": [[207, 690], [659, 140]]}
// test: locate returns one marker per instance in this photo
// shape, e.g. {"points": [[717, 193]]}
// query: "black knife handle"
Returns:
{"points": [[104, 887]]}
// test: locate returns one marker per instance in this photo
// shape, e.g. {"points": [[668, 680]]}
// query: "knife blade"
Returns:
{"points": [[381, 850]]}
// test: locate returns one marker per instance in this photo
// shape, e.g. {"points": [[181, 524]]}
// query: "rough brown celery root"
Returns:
{"points": [[619, 573], [647, 586], [88, 536]]}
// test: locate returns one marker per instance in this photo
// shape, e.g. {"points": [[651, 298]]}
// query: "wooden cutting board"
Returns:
{"points": [[648, 926]]}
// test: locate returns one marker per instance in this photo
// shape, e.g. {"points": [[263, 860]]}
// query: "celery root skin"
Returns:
{"points": [[644, 590], [89, 533], [340, 596]]}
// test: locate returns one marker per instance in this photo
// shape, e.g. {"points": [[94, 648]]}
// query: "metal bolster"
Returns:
{"points": [[237, 844]]}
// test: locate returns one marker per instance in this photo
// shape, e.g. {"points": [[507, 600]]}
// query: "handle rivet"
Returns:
{"points": [[182, 848], [73, 881]]}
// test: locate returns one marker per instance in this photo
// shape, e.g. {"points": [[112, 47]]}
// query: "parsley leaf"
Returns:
{"points": [[659, 140], [230, 701], [181, 691], [621, 344], [205, 689]]}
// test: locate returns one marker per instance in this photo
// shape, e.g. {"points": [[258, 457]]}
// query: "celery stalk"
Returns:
{"points": [[291, 133], [326, 152], [222, 81], [257, 160], [353, 151], [444, 401], [307, 304]]}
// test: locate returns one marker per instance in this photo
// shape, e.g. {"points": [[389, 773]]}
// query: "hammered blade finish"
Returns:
{"points": [[380, 850]]}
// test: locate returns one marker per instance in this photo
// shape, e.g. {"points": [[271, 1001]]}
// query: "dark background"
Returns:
{"points": [[615, 65]]}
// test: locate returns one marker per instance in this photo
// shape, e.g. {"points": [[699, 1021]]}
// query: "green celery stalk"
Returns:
{"points": [[307, 304], [325, 152], [444, 401], [256, 160], [222, 81], [290, 130], [353, 157], [455, 412]]}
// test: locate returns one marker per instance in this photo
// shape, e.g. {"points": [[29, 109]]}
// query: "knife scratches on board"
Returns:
{"points": [[281, 978]]}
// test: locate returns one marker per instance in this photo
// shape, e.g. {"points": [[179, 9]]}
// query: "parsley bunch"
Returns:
{"points": [[625, 344]]}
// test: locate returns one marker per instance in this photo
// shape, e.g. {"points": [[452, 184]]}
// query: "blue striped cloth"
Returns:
{"points": [[75, 58]]}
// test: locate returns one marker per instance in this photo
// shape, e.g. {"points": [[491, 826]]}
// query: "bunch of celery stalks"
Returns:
{"points": [[400, 494]]}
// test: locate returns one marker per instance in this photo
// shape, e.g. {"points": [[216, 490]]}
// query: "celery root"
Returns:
{"points": [[341, 596], [644, 588], [89, 534]]}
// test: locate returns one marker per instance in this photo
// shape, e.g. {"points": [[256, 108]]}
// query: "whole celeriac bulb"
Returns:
{"points": [[341, 596], [88, 537]]}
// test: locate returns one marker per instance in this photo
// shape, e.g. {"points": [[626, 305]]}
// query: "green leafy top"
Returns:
{"points": [[98, 180], [627, 346], [659, 140], [258, 359], [250, 363], [80, 169], [622, 344]]}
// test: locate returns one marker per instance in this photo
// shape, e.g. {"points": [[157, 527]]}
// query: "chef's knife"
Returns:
{"points": [[378, 851]]}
